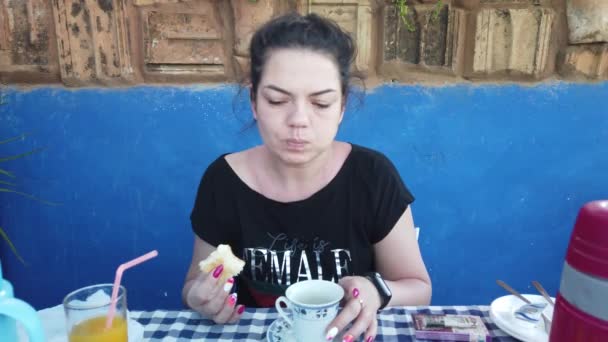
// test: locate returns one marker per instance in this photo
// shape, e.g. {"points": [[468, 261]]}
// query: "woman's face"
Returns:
{"points": [[299, 104]]}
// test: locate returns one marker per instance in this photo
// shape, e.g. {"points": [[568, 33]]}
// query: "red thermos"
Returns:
{"points": [[581, 308]]}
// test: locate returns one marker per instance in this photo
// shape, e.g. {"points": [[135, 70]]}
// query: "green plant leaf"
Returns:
{"points": [[20, 136], [9, 174], [17, 156], [6, 173], [29, 196], [437, 9], [10, 244], [404, 10]]}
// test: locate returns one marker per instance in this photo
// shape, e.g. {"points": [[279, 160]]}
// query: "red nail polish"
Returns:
{"points": [[240, 309], [348, 338], [232, 299], [370, 339], [218, 270], [355, 292]]}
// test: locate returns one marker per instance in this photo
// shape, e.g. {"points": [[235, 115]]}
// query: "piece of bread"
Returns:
{"points": [[223, 256]]}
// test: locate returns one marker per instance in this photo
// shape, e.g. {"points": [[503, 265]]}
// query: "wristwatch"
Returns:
{"points": [[383, 290]]}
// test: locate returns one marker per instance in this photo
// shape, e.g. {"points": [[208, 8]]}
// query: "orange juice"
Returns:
{"points": [[94, 330]]}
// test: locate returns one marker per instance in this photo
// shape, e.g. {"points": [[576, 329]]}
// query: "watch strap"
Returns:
{"points": [[383, 290]]}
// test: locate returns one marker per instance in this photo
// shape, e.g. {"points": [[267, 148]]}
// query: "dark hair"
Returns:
{"points": [[311, 32]]}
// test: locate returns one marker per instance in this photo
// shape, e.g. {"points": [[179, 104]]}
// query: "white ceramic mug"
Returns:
{"points": [[312, 305]]}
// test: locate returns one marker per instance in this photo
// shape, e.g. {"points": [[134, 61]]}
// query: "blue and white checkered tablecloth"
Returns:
{"points": [[394, 324]]}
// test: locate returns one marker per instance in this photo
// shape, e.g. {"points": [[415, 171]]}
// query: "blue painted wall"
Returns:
{"points": [[499, 173]]}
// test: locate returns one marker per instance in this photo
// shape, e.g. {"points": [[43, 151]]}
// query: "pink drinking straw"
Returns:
{"points": [[117, 279]]}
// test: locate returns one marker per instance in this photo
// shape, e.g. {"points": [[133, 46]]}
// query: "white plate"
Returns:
{"points": [[280, 331], [502, 312], [53, 323]]}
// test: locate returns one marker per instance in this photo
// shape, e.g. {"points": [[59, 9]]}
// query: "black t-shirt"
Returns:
{"points": [[328, 235]]}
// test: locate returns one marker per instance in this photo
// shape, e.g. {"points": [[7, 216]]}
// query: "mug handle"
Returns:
{"points": [[26, 315], [282, 311]]}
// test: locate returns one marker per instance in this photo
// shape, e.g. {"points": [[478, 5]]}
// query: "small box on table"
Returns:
{"points": [[450, 327]]}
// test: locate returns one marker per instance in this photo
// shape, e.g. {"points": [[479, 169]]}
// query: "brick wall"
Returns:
{"points": [[127, 42]]}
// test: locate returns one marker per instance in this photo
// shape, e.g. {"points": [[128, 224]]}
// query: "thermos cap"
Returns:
{"points": [[588, 247]]}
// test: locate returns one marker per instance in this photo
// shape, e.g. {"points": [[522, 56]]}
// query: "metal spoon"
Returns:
{"points": [[504, 285], [542, 291], [512, 291]]}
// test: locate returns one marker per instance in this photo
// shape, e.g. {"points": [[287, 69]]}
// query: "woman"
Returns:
{"points": [[303, 205]]}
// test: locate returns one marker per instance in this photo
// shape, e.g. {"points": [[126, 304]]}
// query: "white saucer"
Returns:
{"points": [[280, 331], [502, 312]]}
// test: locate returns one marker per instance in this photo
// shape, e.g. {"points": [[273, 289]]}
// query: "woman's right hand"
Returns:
{"points": [[212, 299]]}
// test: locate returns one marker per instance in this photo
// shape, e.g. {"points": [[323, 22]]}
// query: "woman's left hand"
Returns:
{"points": [[360, 304]]}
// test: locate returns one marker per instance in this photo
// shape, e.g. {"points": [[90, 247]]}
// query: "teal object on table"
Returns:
{"points": [[13, 310]]}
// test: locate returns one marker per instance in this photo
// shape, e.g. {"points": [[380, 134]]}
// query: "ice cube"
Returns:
{"points": [[98, 298]]}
